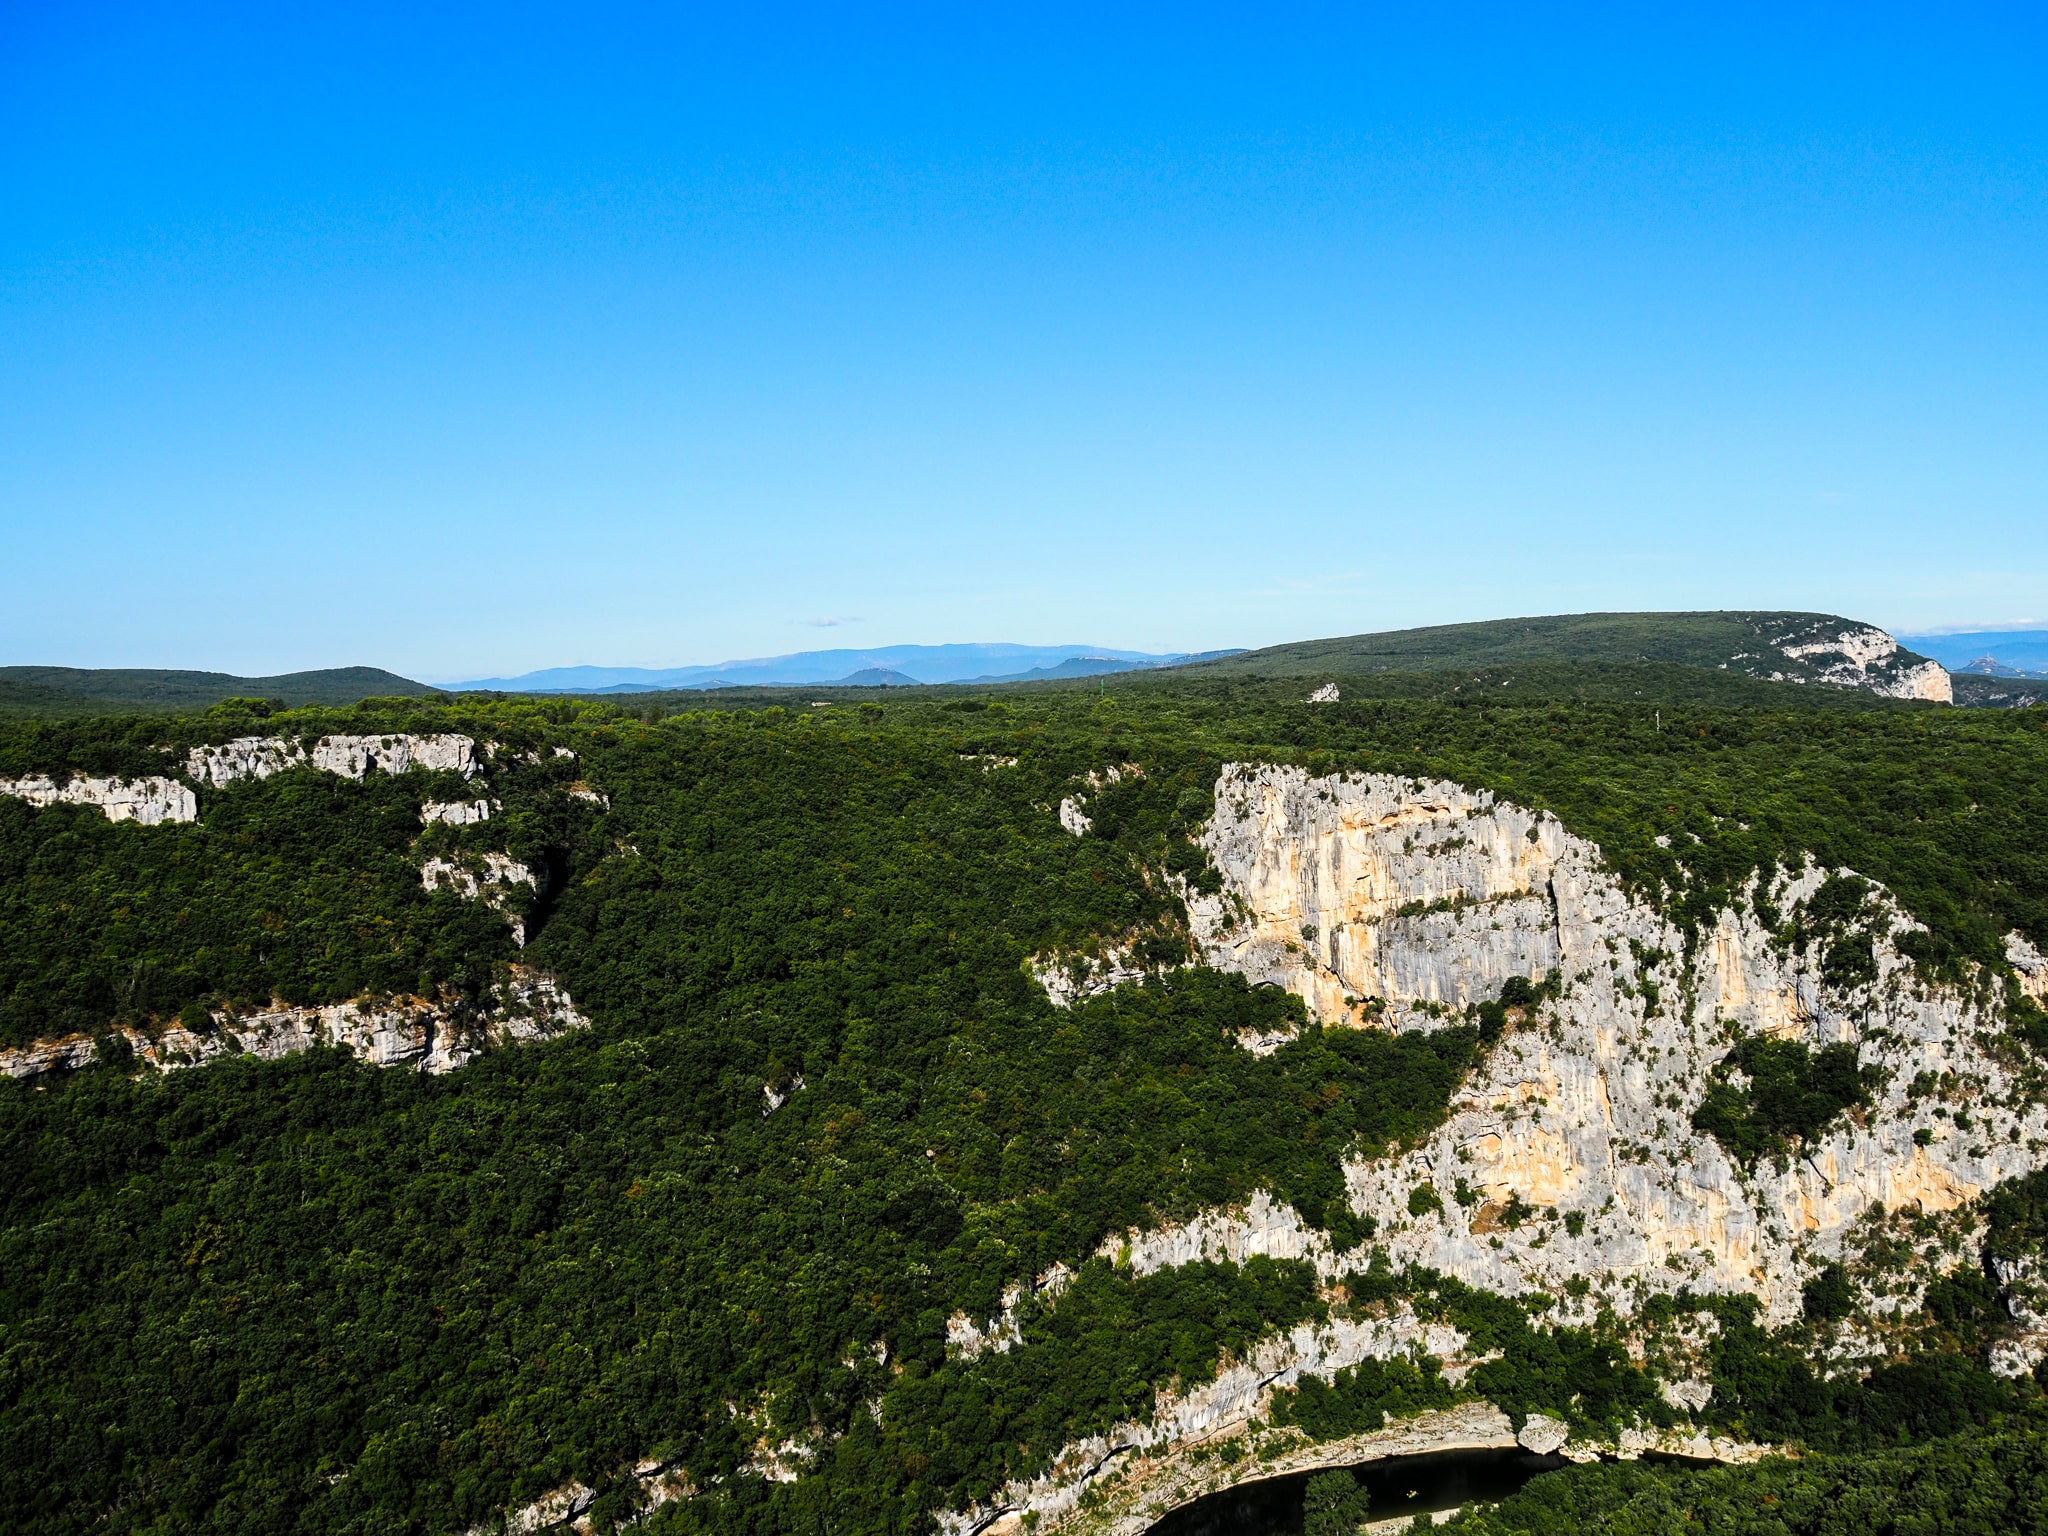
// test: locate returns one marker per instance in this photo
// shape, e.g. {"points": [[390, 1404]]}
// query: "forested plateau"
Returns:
{"points": [[1021, 1108]]}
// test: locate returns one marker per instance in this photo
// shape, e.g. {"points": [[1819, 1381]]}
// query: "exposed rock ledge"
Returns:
{"points": [[2029, 966], [149, 802], [1864, 657], [258, 757], [408, 1032]]}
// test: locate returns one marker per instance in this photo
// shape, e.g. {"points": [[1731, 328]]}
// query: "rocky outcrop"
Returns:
{"points": [[1134, 1484], [966, 1338], [1140, 1469], [455, 813], [1344, 890], [1858, 656], [1068, 978], [403, 1032], [352, 757], [486, 877], [1427, 896], [147, 801], [2029, 967], [65, 1053]]}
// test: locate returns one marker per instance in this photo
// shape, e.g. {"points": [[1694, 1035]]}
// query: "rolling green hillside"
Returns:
{"points": [[1742, 642], [71, 691]]}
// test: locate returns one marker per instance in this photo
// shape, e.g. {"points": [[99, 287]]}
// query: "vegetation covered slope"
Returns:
{"points": [[60, 691], [1750, 643], [306, 1295]]}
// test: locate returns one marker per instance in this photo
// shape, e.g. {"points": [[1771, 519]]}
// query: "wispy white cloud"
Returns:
{"points": [[832, 621]]}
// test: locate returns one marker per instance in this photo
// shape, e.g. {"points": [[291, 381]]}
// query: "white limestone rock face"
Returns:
{"points": [[1861, 656], [1587, 1111], [1404, 890], [2029, 965], [148, 802], [352, 757], [66, 1053], [1425, 896], [527, 1007], [455, 813], [1543, 1434], [1141, 1456], [967, 1338]]}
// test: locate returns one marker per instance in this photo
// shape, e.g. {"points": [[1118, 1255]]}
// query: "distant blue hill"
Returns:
{"points": [[1993, 652], [903, 664]]}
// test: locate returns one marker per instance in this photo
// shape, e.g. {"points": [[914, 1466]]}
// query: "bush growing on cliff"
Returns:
{"points": [[1791, 1094], [1363, 1397]]}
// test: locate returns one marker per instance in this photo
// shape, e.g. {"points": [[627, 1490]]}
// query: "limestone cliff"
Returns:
{"points": [[1424, 893], [1858, 656], [147, 801], [1386, 902], [485, 877], [258, 757]]}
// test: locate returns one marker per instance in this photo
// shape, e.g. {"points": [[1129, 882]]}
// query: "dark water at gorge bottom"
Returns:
{"points": [[1401, 1485]]}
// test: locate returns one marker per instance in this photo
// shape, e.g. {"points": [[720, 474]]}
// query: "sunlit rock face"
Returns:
{"points": [[1426, 896], [148, 802], [1865, 657], [352, 757], [1347, 889], [1569, 1154], [455, 813]]}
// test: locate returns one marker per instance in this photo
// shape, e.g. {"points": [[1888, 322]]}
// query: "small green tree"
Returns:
{"points": [[1334, 1505]]}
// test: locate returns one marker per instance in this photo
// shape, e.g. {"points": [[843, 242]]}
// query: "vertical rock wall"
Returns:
{"points": [[1424, 893]]}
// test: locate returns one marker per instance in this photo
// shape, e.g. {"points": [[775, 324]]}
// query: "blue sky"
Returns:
{"points": [[469, 340]]}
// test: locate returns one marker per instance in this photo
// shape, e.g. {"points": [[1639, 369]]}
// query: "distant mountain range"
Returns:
{"points": [[1719, 655], [893, 666], [1988, 652]]}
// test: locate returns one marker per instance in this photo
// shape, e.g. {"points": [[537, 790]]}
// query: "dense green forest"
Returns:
{"points": [[310, 1296], [1971, 1485]]}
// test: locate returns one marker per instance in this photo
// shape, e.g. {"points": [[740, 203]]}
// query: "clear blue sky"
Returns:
{"points": [[467, 340]]}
